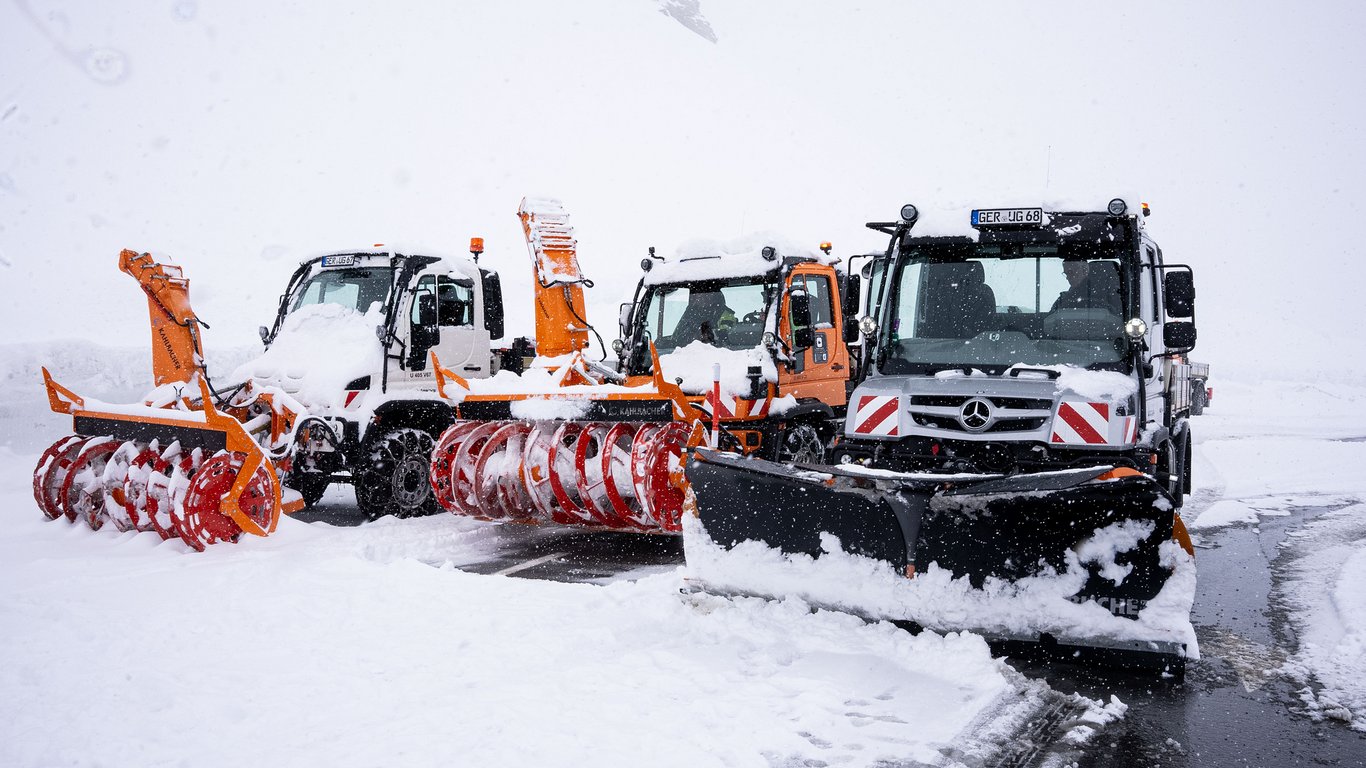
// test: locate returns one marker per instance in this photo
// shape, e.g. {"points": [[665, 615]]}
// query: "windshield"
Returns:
{"points": [[724, 314], [992, 306], [357, 288]]}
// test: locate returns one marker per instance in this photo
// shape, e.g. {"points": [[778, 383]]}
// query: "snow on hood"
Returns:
{"points": [[693, 364], [1108, 386], [704, 259], [319, 350]]}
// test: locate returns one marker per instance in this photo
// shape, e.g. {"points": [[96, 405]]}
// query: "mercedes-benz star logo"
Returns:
{"points": [[975, 415]]}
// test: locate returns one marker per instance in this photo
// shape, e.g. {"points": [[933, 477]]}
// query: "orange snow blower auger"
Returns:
{"points": [[175, 464], [605, 468], [590, 453]]}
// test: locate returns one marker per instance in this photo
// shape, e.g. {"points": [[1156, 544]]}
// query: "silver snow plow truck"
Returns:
{"points": [[1016, 450]]}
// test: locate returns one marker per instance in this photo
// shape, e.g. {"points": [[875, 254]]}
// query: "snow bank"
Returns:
{"points": [[1222, 513], [703, 259], [1291, 465], [364, 646], [938, 601], [1324, 590], [319, 350]]}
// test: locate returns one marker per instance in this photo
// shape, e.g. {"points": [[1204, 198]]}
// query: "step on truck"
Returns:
{"points": [[1016, 450], [344, 392]]}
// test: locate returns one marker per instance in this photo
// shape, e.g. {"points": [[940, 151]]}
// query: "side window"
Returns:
{"points": [[454, 301], [425, 286], [1155, 311], [822, 309]]}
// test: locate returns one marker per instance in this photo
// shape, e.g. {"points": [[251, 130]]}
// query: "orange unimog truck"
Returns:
{"points": [[740, 344]]}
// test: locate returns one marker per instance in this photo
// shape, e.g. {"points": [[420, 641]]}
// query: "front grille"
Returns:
{"points": [[1012, 414], [1002, 425]]}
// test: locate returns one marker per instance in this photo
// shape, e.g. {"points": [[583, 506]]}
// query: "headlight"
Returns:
{"points": [[909, 212], [770, 340], [867, 325], [618, 345], [1136, 328], [1117, 207]]}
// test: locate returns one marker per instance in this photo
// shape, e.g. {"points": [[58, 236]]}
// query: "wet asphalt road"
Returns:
{"points": [[1232, 709]]}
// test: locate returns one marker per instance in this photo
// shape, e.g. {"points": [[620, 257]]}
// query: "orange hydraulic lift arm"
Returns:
{"points": [[560, 325], [176, 350]]}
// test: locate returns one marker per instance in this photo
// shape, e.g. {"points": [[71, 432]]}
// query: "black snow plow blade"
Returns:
{"points": [[982, 528]]}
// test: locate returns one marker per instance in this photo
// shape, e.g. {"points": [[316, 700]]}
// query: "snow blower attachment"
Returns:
{"points": [[1015, 450], [178, 464], [582, 455], [574, 442]]}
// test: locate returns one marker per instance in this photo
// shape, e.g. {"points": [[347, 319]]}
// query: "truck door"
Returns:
{"points": [[819, 370], [441, 318], [1151, 309]]}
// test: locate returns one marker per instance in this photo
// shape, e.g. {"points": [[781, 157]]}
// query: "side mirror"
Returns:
{"points": [[426, 309], [265, 334], [624, 319], [799, 309], [1178, 336], [493, 304], [1179, 288]]}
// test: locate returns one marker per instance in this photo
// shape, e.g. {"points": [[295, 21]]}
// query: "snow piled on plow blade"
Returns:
{"points": [[937, 601], [769, 548]]}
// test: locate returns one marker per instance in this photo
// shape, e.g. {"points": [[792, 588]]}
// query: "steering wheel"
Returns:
{"points": [[753, 317]]}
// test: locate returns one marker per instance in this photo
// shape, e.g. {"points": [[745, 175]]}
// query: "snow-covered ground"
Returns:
{"points": [[354, 645], [1268, 447], [368, 646]]}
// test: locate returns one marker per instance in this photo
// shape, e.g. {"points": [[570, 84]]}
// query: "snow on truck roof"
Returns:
{"points": [[462, 263], [706, 259], [954, 218]]}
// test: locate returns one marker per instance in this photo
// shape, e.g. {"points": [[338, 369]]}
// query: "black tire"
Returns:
{"points": [[395, 478], [800, 443], [310, 485]]}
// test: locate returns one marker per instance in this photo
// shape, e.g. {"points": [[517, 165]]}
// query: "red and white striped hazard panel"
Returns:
{"points": [[726, 405], [1079, 423], [876, 415]]}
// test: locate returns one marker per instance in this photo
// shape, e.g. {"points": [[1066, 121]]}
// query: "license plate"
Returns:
{"points": [[340, 260], [1008, 217]]}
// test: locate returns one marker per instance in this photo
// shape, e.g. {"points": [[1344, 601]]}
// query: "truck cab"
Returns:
{"points": [[419, 304], [1034, 340], [773, 317]]}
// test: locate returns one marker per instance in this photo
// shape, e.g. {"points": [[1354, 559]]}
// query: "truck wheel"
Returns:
{"points": [[800, 444], [310, 485], [394, 481]]}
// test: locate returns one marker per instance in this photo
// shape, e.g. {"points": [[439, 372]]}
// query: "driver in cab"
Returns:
{"points": [[1090, 285]]}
